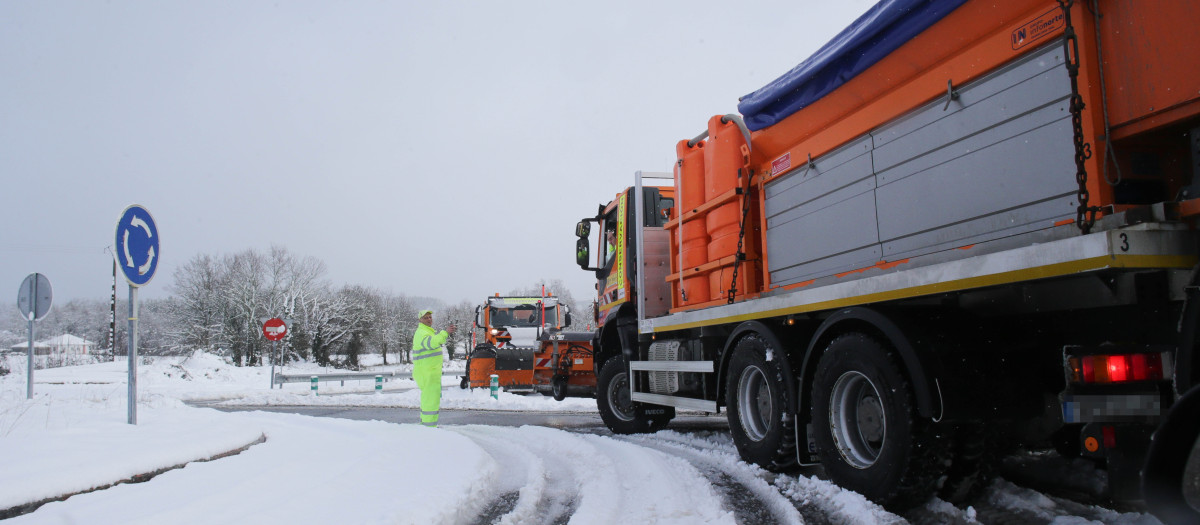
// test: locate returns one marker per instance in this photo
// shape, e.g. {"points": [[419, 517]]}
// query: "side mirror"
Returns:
{"points": [[582, 252], [479, 317], [583, 229], [567, 318]]}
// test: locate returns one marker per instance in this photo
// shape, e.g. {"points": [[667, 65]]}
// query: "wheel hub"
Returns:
{"points": [[870, 419], [755, 403], [618, 398], [857, 419]]}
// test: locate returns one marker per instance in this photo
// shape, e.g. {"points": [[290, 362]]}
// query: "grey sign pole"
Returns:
{"points": [[29, 364], [33, 300], [133, 337], [137, 250]]}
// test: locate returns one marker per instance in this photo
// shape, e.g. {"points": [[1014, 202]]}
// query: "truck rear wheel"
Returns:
{"points": [[619, 413], [1171, 478], [867, 434], [756, 399]]}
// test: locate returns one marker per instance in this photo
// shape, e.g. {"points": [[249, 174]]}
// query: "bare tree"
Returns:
{"points": [[245, 291], [293, 282], [360, 318], [395, 324], [319, 313], [220, 304], [196, 306], [462, 315]]}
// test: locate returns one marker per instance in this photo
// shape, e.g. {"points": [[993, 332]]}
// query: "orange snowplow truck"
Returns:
{"points": [[525, 346], [961, 226]]}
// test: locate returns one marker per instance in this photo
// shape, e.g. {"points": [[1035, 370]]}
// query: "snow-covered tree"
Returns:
{"points": [[395, 324], [197, 303], [462, 316], [359, 320]]}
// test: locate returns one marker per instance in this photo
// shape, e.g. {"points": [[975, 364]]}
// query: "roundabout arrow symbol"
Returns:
{"points": [[128, 256], [146, 267], [138, 222]]}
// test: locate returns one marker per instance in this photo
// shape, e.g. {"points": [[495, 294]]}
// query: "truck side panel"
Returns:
{"points": [[838, 198], [990, 164], [938, 178], [969, 42]]}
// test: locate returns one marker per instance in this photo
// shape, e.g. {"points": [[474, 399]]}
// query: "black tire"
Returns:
{"points": [[1169, 479], [760, 419], [558, 387], [867, 433], [620, 414], [466, 379]]}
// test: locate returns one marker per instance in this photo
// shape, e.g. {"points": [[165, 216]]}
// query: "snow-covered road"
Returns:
{"points": [[72, 438]]}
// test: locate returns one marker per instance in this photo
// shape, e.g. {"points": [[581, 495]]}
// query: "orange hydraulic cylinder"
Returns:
{"points": [[693, 250], [723, 160]]}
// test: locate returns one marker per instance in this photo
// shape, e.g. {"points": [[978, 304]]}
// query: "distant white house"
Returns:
{"points": [[39, 348], [63, 345]]}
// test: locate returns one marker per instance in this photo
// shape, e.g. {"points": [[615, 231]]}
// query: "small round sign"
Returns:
{"points": [[275, 329], [35, 297]]}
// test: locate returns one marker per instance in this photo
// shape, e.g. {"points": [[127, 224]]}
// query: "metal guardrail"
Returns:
{"points": [[280, 379]]}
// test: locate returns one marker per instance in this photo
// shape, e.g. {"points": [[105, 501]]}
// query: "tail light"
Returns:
{"points": [[1120, 368]]}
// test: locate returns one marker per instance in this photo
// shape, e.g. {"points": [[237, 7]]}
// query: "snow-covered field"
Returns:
{"points": [[209, 466]]}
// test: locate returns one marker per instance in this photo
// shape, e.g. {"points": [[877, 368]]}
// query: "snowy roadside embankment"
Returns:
{"points": [[74, 437]]}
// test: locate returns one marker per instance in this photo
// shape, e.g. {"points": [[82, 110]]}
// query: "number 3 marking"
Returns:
{"points": [[1124, 242]]}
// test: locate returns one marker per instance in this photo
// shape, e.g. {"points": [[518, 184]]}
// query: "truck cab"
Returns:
{"points": [[511, 327], [631, 272], [525, 344]]}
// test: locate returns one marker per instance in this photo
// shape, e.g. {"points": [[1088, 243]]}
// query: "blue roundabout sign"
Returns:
{"points": [[137, 245]]}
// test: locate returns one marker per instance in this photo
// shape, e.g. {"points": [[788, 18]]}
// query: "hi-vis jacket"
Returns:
{"points": [[427, 345]]}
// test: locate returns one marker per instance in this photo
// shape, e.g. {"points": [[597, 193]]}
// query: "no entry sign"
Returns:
{"points": [[275, 329]]}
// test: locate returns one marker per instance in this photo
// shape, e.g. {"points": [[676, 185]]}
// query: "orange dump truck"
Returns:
{"points": [[525, 346], [961, 226]]}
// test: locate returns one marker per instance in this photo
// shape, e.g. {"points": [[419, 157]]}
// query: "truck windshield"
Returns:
{"points": [[522, 316]]}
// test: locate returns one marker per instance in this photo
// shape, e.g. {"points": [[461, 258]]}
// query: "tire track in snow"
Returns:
{"points": [[588, 479], [816, 502], [530, 493], [747, 495]]}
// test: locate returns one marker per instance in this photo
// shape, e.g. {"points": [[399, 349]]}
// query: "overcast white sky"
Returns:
{"points": [[439, 149]]}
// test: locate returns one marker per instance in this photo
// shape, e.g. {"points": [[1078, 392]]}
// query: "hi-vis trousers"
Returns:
{"points": [[428, 375]]}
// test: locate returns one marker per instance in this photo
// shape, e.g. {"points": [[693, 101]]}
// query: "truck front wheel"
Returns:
{"points": [[756, 399], [868, 437], [558, 387], [619, 413]]}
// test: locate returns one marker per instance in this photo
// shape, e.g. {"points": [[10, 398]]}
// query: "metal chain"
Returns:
{"points": [[1085, 217], [737, 263]]}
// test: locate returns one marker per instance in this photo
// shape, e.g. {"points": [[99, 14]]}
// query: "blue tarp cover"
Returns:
{"points": [[878, 32]]}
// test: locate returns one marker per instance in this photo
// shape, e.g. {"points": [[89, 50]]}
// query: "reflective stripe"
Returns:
{"points": [[420, 357], [430, 424], [434, 413]]}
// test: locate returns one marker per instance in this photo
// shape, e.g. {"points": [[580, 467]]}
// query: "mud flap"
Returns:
{"points": [[654, 415]]}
